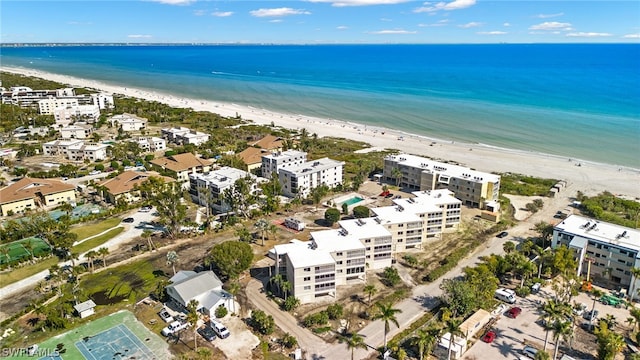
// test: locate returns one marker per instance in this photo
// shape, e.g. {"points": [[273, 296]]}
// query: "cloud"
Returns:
{"points": [[506, 24], [392, 32], [442, 22], [631, 36], [551, 25], [491, 32], [139, 36], [546, 16], [278, 12], [199, 12], [175, 2], [453, 5], [588, 34], [222, 13], [471, 24], [343, 3], [275, 21], [342, 27]]}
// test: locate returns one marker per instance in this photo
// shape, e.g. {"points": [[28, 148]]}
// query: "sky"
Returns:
{"points": [[319, 21]]}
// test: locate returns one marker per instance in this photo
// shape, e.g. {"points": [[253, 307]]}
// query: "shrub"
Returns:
{"points": [[361, 212], [319, 318], [523, 291], [332, 215], [390, 276], [410, 260], [334, 311], [291, 303], [221, 311], [99, 167], [345, 208], [289, 341], [322, 330], [262, 322]]}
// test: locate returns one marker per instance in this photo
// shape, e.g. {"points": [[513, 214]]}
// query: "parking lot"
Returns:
{"points": [[513, 334]]}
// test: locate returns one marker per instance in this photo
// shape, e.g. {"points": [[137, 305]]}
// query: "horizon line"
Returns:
{"points": [[5, 44]]}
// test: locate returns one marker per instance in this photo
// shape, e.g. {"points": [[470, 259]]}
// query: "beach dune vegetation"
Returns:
{"points": [[518, 184]]}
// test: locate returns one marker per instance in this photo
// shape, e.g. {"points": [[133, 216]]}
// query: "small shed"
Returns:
{"points": [[475, 323], [85, 309]]}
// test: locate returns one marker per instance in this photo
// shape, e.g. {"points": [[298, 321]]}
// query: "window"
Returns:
{"points": [[307, 278], [339, 253], [308, 287], [307, 269]]}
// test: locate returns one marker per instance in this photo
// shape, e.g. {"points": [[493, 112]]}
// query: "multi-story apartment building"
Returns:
{"points": [[183, 136], [439, 210], [70, 114], [27, 97], [418, 173], [606, 250], [207, 189], [272, 162], [76, 131], [49, 105], [59, 147], [300, 179], [91, 152], [377, 240], [151, 144]]}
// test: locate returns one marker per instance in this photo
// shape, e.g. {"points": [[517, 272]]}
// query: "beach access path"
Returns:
{"points": [[590, 178]]}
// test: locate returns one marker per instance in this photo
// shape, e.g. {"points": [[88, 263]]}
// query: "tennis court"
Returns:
{"points": [[115, 343], [22, 249]]}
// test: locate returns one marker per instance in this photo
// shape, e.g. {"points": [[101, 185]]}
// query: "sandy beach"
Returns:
{"points": [[589, 177]]}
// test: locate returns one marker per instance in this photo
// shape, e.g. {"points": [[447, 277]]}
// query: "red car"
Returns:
{"points": [[489, 337], [514, 312]]}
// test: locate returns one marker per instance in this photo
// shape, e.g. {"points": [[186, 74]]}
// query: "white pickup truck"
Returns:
{"points": [[174, 327]]}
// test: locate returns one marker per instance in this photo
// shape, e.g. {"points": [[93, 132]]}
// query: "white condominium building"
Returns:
{"points": [[275, 161], [67, 115], [208, 189], [75, 150], [439, 210], [49, 105], [414, 172], [612, 250], [183, 136], [301, 179], [76, 131], [152, 144], [128, 122]]}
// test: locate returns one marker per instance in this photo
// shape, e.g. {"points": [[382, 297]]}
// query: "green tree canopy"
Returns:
{"points": [[232, 257], [361, 212], [332, 215]]}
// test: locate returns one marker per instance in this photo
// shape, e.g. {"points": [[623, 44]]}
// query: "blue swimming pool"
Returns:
{"points": [[352, 201]]}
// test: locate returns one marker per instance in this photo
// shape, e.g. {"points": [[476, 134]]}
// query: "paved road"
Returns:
{"points": [[131, 231]]}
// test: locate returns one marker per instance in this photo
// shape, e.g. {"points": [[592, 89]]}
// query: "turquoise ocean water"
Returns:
{"points": [[578, 101]]}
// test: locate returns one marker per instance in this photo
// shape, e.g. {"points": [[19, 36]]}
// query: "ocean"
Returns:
{"points": [[580, 101]]}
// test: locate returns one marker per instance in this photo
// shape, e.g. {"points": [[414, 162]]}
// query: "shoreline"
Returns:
{"points": [[590, 177]]}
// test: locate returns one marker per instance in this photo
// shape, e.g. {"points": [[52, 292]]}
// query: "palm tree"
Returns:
{"points": [[387, 313], [91, 255], [542, 355], [277, 280], [425, 339], [370, 290], [508, 247], [103, 252], [353, 341], [192, 318], [233, 288], [526, 268], [397, 174], [146, 234], [596, 295], [262, 225], [172, 260], [552, 312], [562, 330], [452, 326], [286, 286], [6, 253]]}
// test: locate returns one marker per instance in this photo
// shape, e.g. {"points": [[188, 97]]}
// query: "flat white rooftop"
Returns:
{"points": [[335, 240], [438, 197], [601, 231], [305, 257], [364, 228], [284, 154], [285, 248], [456, 171], [395, 215], [313, 166], [225, 176]]}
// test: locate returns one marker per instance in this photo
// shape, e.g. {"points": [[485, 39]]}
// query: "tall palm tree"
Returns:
{"points": [[192, 318], [397, 174], [452, 326], [562, 330], [387, 313], [370, 290], [552, 312], [353, 341], [596, 295], [91, 255], [425, 339], [526, 268], [277, 280], [103, 252], [172, 260], [262, 225], [286, 286]]}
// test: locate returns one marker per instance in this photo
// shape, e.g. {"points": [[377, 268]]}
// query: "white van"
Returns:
{"points": [[506, 295], [220, 329]]}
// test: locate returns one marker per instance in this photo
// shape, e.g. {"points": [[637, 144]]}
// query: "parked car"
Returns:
{"points": [[502, 234], [529, 352], [165, 316], [587, 315], [535, 288], [95, 172], [146, 208], [174, 327], [514, 312], [220, 329], [207, 333], [128, 220], [489, 336], [579, 309]]}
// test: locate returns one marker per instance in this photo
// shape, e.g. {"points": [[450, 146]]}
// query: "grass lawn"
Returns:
{"points": [[29, 270], [86, 231], [98, 240]]}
